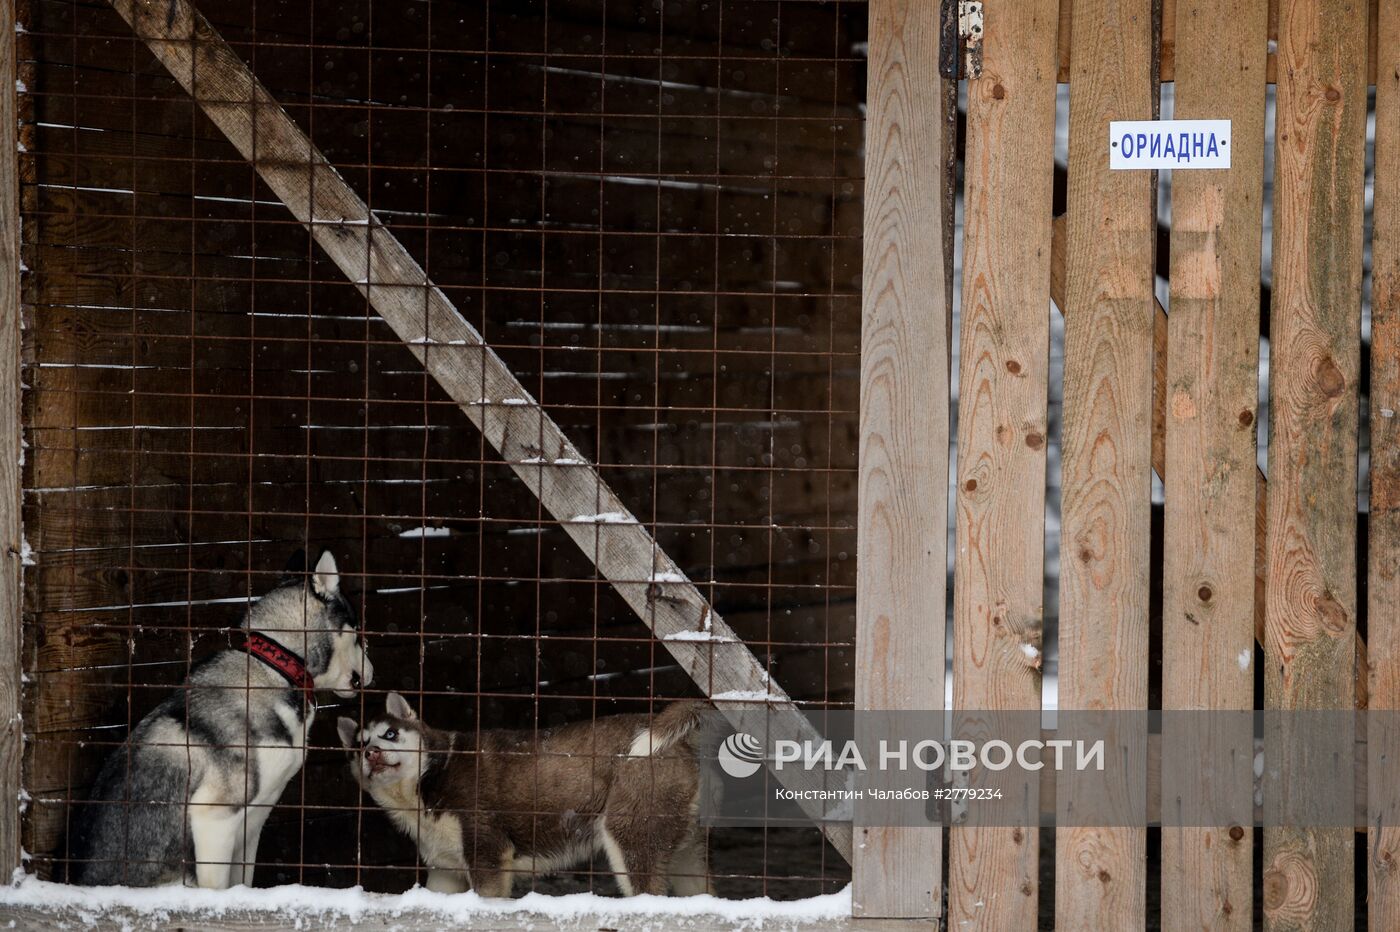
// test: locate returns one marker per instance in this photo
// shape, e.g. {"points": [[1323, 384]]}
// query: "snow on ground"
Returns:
{"points": [[293, 902]]}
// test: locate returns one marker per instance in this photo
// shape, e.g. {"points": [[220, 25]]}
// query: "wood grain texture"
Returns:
{"points": [[1101, 873], [1059, 248], [1314, 359], [1059, 285], [11, 533], [901, 587], [1212, 391], [1383, 582], [454, 354], [1000, 499], [1170, 43]]}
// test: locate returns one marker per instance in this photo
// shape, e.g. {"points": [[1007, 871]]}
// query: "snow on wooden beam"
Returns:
{"points": [[454, 353]]}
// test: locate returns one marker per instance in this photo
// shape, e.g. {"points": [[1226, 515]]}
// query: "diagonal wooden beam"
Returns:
{"points": [[1159, 448], [473, 375]]}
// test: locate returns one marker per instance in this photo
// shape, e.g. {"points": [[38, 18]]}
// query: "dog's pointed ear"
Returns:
{"points": [[399, 708], [295, 570], [326, 580], [349, 730]]}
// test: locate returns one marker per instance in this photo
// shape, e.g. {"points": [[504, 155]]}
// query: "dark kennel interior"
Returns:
{"points": [[651, 210]]}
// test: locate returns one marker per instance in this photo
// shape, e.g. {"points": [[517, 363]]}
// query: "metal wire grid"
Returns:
{"points": [[228, 454]]}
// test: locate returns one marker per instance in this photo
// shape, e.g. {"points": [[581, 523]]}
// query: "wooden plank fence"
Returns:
{"points": [[1173, 16], [1296, 585]]}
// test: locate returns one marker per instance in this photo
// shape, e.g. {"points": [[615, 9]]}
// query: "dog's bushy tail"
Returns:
{"points": [[669, 727]]}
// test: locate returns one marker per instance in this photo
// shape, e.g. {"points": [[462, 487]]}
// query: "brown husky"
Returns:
{"points": [[485, 807]]}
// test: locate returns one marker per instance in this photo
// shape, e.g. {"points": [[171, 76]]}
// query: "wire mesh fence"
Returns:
{"points": [[651, 211]]}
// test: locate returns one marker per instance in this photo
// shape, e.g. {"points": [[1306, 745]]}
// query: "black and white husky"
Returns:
{"points": [[187, 795]]}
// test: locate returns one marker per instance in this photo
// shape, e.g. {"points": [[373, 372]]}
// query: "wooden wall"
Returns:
{"points": [[654, 217]]}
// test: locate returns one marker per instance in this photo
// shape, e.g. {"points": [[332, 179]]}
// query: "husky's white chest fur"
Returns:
{"points": [[437, 835]]}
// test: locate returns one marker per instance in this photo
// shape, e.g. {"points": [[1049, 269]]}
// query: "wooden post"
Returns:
{"points": [[1383, 583], [1000, 498], [11, 533], [473, 375], [1212, 389], [1313, 365], [901, 588], [1101, 872]]}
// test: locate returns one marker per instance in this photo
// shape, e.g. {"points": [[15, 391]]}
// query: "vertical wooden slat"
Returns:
{"points": [[1383, 584], [10, 532], [997, 596], [1212, 392], [1101, 872], [1313, 366], [903, 428]]}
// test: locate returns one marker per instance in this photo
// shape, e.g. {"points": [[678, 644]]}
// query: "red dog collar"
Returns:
{"points": [[292, 667]]}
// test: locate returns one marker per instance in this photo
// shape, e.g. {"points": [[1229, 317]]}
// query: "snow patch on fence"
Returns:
{"points": [[426, 532], [606, 517], [703, 636], [750, 695], [666, 576]]}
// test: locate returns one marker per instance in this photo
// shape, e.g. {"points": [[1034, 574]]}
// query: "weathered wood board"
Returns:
{"points": [[902, 515], [1211, 395], [1383, 574], [1172, 41], [1101, 873], [11, 452], [1313, 364], [993, 880]]}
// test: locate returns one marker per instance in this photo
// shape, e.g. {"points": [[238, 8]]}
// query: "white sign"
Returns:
{"points": [[1169, 144]]}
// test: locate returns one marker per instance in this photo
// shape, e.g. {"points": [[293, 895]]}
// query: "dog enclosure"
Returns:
{"points": [[652, 217], [578, 329]]}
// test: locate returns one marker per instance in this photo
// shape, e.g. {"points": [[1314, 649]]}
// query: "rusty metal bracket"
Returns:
{"points": [[961, 24], [948, 44]]}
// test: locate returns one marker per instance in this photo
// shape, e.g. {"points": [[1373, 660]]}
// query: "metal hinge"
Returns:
{"points": [[970, 26]]}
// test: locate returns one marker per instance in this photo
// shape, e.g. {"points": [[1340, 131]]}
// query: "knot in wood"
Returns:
{"points": [[1327, 377]]}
